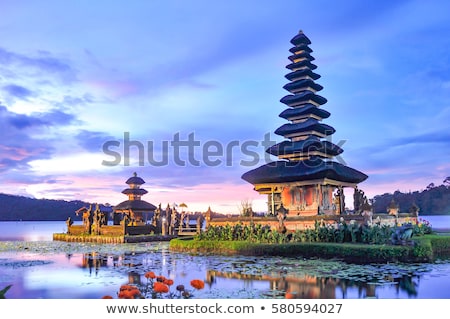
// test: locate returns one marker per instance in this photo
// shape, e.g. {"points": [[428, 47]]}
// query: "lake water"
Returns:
{"points": [[38, 267]]}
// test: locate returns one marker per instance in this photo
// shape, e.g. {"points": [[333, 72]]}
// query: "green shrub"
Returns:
{"points": [[3, 292]]}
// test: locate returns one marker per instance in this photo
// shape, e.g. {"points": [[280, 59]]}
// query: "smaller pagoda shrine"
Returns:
{"points": [[133, 210]]}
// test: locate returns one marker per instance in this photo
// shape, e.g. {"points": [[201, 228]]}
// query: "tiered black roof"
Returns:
{"points": [[135, 191], [135, 204], [304, 155], [135, 180], [305, 147], [298, 171], [308, 109]]}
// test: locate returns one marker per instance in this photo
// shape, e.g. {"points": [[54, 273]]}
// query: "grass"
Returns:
{"points": [[426, 248]]}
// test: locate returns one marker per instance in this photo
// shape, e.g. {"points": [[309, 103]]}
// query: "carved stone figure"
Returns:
{"points": [[281, 216]]}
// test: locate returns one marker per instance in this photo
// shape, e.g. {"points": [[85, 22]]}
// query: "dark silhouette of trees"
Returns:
{"points": [[433, 200], [24, 208]]}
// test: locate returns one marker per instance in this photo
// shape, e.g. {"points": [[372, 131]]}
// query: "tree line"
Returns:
{"points": [[433, 200], [13, 208]]}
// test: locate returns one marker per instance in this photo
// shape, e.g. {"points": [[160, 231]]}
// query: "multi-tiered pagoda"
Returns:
{"points": [[134, 208], [305, 180]]}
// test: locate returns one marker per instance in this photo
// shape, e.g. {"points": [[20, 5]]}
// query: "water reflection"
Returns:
{"points": [[313, 287], [275, 280]]}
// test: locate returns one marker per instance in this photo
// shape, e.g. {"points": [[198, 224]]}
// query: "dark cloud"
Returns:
{"points": [[18, 146], [27, 178], [42, 63], [93, 141], [403, 157], [17, 91], [22, 121], [440, 137]]}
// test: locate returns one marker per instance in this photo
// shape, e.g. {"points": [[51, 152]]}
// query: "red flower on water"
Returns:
{"points": [[168, 282], [150, 275], [160, 287], [198, 284], [289, 295], [107, 297], [129, 292]]}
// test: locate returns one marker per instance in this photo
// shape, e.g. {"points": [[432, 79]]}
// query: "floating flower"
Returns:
{"points": [[107, 297], [289, 295], [198, 284], [168, 282], [160, 287], [150, 275], [129, 292]]}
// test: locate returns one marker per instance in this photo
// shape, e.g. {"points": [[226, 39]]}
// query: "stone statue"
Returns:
{"points": [[281, 216], [69, 222], [97, 219], [173, 222], [88, 219], [367, 213], [402, 235], [337, 203], [156, 221], [358, 200]]}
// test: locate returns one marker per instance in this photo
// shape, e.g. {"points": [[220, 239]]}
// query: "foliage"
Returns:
{"points": [[157, 287], [341, 232], [426, 248], [423, 227], [423, 250], [434, 200], [3, 292], [23, 208], [245, 208], [358, 253], [440, 245]]}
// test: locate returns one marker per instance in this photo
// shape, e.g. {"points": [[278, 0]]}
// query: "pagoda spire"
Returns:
{"points": [[305, 134], [305, 175]]}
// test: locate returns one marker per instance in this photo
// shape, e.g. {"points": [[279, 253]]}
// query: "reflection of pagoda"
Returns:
{"points": [[305, 176], [134, 208]]}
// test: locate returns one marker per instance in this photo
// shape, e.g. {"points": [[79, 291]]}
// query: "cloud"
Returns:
{"points": [[17, 91], [41, 63], [92, 141], [21, 121], [441, 136], [19, 146]]}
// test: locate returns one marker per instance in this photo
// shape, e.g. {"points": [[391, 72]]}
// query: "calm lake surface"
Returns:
{"points": [[38, 267]]}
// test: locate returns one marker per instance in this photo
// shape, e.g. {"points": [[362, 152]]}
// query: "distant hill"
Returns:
{"points": [[434, 200], [14, 207]]}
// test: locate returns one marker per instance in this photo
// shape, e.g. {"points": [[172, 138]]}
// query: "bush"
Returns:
{"points": [[341, 232]]}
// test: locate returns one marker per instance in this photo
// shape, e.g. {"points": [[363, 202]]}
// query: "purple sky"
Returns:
{"points": [[77, 75]]}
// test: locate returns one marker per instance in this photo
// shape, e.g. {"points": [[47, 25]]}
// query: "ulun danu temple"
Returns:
{"points": [[305, 181]]}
